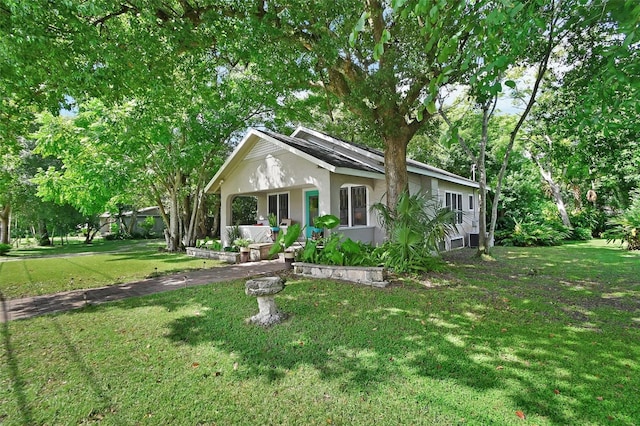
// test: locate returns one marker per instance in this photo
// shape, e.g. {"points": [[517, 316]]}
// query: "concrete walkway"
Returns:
{"points": [[38, 305]]}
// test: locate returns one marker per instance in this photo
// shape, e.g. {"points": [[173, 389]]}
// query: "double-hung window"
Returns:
{"points": [[353, 206], [453, 201], [279, 205]]}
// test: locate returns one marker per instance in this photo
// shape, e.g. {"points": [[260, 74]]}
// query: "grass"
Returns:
{"points": [[45, 271], [552, 334], [72, 245]]}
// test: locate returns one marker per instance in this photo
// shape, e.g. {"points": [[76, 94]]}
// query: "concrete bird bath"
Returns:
{"points": [[265, 289]]}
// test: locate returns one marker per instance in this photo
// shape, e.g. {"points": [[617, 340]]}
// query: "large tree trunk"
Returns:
{"points": [[5, 219], [396, 138], [396, 177], [43, 234]]}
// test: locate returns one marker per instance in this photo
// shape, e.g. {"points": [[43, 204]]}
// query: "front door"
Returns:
{"points": [[312, 207]]}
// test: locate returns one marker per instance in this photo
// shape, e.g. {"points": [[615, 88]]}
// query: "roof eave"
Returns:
{"points": [[440, 176], [360, 173], [217, 179]]}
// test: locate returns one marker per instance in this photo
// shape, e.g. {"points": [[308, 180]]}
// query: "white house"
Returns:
{"points": [[310, 174]]}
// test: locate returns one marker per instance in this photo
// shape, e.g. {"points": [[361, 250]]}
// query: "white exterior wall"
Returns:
{"points": [[269, 170], [375, 190], [470, 212]]}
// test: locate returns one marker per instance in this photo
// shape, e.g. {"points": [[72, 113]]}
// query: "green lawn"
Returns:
{"points": [[549, 333], [28, 248], [37, 271]]}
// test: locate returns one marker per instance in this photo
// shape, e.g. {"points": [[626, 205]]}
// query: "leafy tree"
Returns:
{"points": [[594, 104], [81, 178], [504, 47]]}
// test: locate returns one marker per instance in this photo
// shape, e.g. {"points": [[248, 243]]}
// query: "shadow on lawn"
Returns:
{"points": [[17, 381], [350, 334]]}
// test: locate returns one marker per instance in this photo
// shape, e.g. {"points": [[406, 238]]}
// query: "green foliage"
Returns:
{"points": [[244, 210], [581, 234], [118, 236], [590, 218], [147, 226], [533, 233], [626, 226], [415, 228], [336, 250], [242, 242], [273, 221], [234, 233], [286, 239], [328, 221], [4, 249]]}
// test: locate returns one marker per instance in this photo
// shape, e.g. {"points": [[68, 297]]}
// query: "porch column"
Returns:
{"points": [[225, 216]]}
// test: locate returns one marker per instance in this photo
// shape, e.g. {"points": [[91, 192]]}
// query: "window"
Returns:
{"points": [[453, 201], [279, 205], [471, 203], [353, 206], [344, 206]]}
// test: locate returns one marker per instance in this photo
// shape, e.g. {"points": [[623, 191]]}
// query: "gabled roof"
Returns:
{"points": [[330, 153], [326, 153], [375, 158]]}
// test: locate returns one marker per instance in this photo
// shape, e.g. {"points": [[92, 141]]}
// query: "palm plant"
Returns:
{"points": [[414, 229], [626, 227]]}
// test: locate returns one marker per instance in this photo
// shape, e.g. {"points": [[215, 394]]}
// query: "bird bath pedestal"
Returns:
{"points": [[265, 289]]}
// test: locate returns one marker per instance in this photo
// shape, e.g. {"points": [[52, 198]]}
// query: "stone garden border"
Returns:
{"points": [[368, 275], [225, 256]]}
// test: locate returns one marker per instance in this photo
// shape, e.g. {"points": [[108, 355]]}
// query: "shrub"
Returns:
{"points": [[581, 234], [4, 249], [336, 250], [532, 233], [590, 218], [233, 233], [415, 227], [626, 226], [118, 236], [147, 226]]}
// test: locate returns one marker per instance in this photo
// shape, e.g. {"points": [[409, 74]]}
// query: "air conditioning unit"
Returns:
{"points": [[456, 242]]}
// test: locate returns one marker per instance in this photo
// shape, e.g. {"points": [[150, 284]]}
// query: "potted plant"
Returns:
{"points": [[273, 224], [286, 240], [243, 245]]}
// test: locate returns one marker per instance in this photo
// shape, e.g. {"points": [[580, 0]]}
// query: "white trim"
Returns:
{"points": [[359, 173], [278, 204], [350, 224], [447, 178], [218, 178], [459, 210]]}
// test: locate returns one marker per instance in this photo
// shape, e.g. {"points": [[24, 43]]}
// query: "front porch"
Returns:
{"points": [[289, 206]]}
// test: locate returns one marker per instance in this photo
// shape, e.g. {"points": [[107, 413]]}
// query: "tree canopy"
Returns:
{"points": [[161, 86]]}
